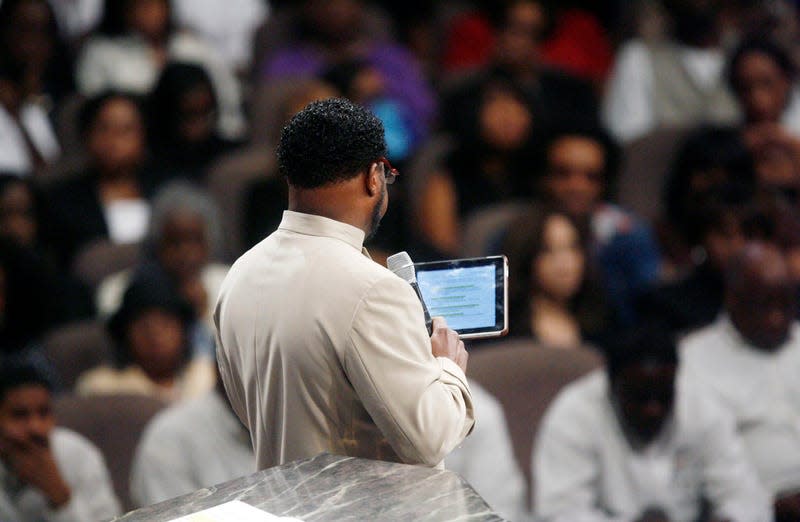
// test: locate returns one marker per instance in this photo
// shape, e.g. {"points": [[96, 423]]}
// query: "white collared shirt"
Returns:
{"points": [[188, 447], [761, 390], [586, 470], [82, 467]]}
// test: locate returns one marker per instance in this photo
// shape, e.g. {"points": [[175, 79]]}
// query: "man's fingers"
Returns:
{"points": [[438, 323]]}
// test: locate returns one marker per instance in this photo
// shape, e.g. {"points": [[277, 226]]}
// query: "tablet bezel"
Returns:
{"points": [[500, 263]]}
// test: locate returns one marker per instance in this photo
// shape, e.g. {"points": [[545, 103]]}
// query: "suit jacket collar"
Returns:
{"points": [[312, 225]]}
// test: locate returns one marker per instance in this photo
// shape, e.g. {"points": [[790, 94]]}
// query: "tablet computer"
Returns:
{"points": [[471, 294]]}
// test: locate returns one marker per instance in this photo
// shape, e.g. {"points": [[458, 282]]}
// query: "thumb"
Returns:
{"points": [[438, 322]]}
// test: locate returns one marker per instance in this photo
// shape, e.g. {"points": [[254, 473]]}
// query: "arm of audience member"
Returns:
{"points": [[731, 484], [565, 467], [160, 470], [486, 459], [438, 217], [628, 104], [92, 495], [421, 403]]}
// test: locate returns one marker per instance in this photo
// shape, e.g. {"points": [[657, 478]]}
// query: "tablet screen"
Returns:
{"points": [[469, 293]]}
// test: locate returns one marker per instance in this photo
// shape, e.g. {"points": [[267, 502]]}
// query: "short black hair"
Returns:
{"points": [[17, 371], [760, 45], [92, 107], [329, 141], [650, 342], [587, 130]]}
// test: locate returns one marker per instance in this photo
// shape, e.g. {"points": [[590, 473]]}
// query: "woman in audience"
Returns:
{"points": [[109, 199], [492, 163], [184, 236], [182, 131], [151, 337], [553, 295], [133, 43], [34, 74]]}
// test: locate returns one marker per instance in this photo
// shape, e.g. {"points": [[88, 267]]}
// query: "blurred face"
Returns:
{"points": [[17, 219], [197, 114], [26, 416], [148, 18], [763, 88], [157, 343], [184, 248], [28, 38], [723, 242], [645, 394], [505, 121], [116, 138], [575, 174], [763, 305], [518, 41], [560, 266], [336, 20]]}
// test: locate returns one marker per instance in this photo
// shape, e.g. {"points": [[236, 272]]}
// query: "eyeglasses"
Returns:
{"points": [[389, 172]]}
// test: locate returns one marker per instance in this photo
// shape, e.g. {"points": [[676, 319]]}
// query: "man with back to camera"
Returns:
{"points": [[321, 349]]}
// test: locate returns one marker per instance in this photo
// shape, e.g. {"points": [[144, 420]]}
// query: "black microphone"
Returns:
{"points": [[401, 265]]}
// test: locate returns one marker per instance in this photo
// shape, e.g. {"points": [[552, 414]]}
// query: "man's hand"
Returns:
{"points": [[787, 507], [34, 464], [445, 343]]}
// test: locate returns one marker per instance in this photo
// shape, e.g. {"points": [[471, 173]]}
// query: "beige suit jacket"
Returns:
{"points": [[323, 350]]}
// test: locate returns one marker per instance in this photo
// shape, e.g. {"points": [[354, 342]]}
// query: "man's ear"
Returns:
{"points": [[373, 180]]}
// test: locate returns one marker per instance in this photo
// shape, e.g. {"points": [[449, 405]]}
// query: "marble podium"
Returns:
{"points": [[331, 487]]}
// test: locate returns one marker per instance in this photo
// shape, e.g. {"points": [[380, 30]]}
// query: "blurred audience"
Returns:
{"points": [[492, 162], [553, 294], [151, 332], [677, 82], [486, 458], [182, 131], [578, 169], [46, 472], [328, 32], [109, 199], [32, 79], [190, 446], [722, 222], [550, 95], [184, 237], [631, 443], [133, 43], [229, 27], [748, 361]]}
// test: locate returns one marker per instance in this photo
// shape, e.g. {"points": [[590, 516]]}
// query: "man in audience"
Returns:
{"points": [[46, 473], [579, 163], [749, 360], [628, 444], [191, 446]]}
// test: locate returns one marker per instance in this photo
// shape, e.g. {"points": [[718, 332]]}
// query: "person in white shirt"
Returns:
{"points": [[627, 444], [47, 473], [188, 447], [749, 360], [676, 82], [486, 458]]}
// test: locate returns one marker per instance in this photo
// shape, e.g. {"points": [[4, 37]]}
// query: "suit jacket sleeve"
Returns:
{"points": [[422, 404]]}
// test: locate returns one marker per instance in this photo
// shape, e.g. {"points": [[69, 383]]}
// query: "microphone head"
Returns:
{"points": [[401, 264]]}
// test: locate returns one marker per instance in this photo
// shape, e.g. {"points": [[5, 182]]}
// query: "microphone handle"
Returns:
{"points": [[428, 321]]}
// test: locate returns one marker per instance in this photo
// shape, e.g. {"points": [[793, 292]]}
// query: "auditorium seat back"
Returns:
{"points": [[76, 347], [525, 377], [114, 423]]}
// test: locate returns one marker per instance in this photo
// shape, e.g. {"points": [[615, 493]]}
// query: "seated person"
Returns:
{"points": [[152, 346], [188, 447], [553, 294], [626, 443], [486, 458], [578, 168], [47, 473], [749, 360], [185, 233]]}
